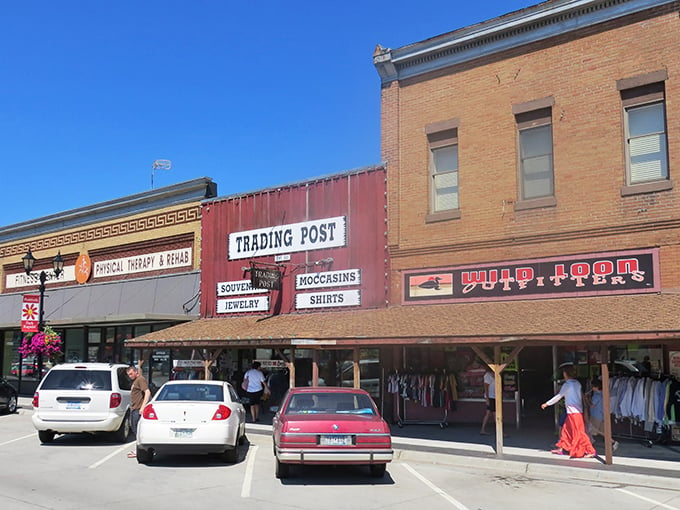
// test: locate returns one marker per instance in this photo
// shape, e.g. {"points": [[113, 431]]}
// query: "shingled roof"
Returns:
{"points": [[650, 317]]}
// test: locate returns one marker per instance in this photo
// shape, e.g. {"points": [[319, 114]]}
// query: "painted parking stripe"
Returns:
{"points": [[18, 439], [111, 455], [436, 489], [250, 468], [648, 500]]}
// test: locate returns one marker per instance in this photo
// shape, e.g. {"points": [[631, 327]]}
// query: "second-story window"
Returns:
{"points": [[442, 139], [535, 154]]}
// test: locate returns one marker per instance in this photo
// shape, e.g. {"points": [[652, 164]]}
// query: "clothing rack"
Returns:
{"points": [[401, 390], [648, 429]]}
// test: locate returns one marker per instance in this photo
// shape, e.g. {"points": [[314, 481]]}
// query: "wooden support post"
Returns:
{"points": [[357, 368], [498, 379], [606, 407], [291, 368], [315, 367]]}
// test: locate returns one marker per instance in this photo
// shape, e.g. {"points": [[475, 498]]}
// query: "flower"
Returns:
{"points": [[46, 343]]}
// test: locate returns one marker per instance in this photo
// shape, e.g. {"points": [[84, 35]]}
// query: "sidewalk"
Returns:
{"points": [[527, 452]]}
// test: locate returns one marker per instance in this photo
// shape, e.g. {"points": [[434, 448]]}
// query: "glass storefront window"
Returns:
{"points": [[74, 345]]}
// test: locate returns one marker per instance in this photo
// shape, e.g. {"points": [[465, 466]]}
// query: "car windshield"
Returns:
{"points": [[77, 380], [197, 392], [330, 403]]}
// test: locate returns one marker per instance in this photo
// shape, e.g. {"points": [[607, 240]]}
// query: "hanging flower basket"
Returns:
{"points": [[46, 343]]}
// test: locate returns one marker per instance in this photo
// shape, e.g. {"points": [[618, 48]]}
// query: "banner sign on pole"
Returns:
{"points": [[30, 313]]}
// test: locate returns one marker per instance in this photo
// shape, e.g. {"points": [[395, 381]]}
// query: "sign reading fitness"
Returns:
{"points": [[294, 237], [582, 275]]}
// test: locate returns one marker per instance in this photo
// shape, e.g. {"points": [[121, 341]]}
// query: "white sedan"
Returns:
{"points": [[194, 416]]}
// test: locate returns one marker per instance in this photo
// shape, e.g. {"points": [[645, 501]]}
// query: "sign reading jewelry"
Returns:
{"points": [[580, 275], [294, 237]]}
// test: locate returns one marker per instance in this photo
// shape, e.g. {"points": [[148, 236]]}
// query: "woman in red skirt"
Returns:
{"points": [[573, 438]]}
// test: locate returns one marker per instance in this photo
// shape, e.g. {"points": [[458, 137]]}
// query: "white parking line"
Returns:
{"points": [[250, 467], [436, 489], [111, 455], [648, 500], [18, 439]]}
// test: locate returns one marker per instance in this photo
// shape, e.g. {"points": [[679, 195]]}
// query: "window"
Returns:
{"points": [[535, 154], [442, 138], [645, 125]]}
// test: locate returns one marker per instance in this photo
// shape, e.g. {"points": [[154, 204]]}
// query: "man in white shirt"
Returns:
{"points": [[490, 398]]}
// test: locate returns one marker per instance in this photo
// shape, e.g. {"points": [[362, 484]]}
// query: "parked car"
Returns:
{"points": [[330, 425], [369, 373], [8, 397], [192, 416], [83, 397]]}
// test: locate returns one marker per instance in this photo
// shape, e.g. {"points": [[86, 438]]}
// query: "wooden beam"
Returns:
{"points": [[357, 367], [315, 367], [606, 407]]}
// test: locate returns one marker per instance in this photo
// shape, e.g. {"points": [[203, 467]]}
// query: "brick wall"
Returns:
{"points": [[590, 215]]}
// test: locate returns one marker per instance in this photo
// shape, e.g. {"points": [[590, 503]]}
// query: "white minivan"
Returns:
{"points": [[83, 397]]}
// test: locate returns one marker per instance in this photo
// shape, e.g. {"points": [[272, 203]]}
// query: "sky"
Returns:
{"points": [[252, 94]]}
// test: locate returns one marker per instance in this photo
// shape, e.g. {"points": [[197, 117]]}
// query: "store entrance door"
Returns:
{"points": [[535, 384]]}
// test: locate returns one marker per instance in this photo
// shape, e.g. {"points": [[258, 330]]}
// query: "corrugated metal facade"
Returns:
{"points": [[359, 197]]}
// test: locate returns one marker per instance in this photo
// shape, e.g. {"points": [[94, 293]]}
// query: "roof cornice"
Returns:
{"points": [[189, 191], [519, 28]]}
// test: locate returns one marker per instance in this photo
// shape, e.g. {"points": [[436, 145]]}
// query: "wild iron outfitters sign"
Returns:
{"points": [[568, 276]]}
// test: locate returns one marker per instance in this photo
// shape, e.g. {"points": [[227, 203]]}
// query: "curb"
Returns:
{"points": [[589, 469]]}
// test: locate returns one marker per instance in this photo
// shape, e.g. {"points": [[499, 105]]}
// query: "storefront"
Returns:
{"points": [[130, 267]]}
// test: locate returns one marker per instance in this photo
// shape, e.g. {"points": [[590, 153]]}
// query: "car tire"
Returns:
{"points": [[282, 470], [242, 440], [144, 456], [121, 435], [230, 455], [378, 470], [12, 405], [46, 436]]}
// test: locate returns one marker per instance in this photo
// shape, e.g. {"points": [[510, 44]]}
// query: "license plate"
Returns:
{"points": [[335, 440], [183, 433], [72, 405]]}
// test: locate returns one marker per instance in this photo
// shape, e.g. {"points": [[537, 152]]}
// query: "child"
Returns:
{"points": [[597, 413]]}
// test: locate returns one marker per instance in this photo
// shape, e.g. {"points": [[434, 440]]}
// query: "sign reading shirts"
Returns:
{"points": [[294, 237], [582, 275]]}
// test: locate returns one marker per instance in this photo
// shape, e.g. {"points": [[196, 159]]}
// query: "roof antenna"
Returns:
{"points": [[160, 164]]}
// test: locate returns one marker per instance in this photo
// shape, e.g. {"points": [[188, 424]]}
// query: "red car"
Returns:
{"points": [[327, 425]]}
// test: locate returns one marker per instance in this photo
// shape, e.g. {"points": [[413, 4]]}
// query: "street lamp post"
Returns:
{"points": [[58, 267]]}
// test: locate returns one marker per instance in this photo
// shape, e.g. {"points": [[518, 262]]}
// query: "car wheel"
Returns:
{"points": [[378, 470], [230, 455], [121, 435], [243, 439], [46, 436], [144, 456], [12, 405], [282, 470]]}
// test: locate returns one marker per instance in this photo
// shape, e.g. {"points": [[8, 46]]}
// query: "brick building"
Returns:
{"points": [[531, 184]]}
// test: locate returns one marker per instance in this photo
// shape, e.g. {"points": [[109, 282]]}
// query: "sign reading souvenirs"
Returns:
{"points": [[261, 278], [581, 275], [246, 304], [294, 237], [328, 279], [237, 287], [327, 299]]}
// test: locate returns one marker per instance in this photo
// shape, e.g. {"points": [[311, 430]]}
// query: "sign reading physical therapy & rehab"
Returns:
{"points": [[294, 237], [575, 275]]}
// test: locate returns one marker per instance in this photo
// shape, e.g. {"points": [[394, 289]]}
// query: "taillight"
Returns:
{"points": [[149, 413], [114, 400], [36, 399], [222, 413]]}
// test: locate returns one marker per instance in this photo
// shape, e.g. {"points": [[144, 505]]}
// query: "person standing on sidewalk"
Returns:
{"points": [[139, 397], [490, 399], [255, 385], [573, 437], [597, 413]]}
